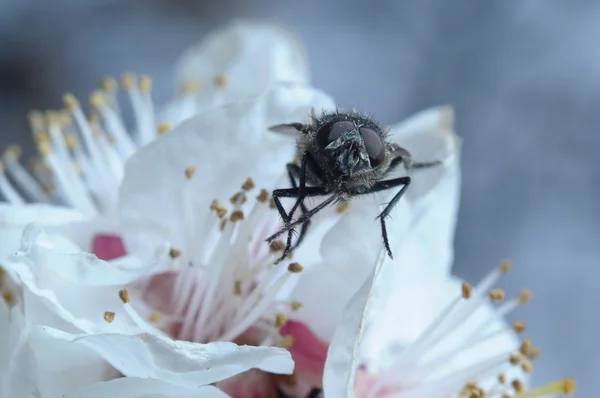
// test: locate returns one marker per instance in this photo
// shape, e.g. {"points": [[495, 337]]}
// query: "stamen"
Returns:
{"points": [[263, 196], [221, 80], [124, 296], [295, 268], [21, 176], [237, 215], [280, 320], [109, 316], [566, 387], [248, 184], [189, 172], [7, 190], [163, 128], [496, 295], [519, 327], [276, 246], [342, 207], [174, 253]]}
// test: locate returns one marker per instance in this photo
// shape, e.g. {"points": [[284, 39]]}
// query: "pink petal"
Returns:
{"points": [[308, 351], [108, 247]]}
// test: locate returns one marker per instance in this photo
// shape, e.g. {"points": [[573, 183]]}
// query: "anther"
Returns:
{"points": [[221, 80], [280, 320], [109, 316], [501, 378], [295, 268], [526, 366], [518, 327], [238, 198], [525, 347], [272, 204], [237, 215], [124, 296], [248, 184], [505, 266], [466, 290], [295, 305], [515, 359], [517, 385], [237, 288], [276, 246], [524, 296], [70, 101], [189, 172], [496, 295], [127, 81], [174, 253], [342, 207], [145, 84], [263, 196], [163, 128], [108, 84], [96, 99], [154, 317]]}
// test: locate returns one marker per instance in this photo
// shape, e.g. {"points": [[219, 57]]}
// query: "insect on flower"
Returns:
{"points": [[342, 155]]}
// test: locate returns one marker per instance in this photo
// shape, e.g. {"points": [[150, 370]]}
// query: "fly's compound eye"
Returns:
{"points": [[332, 131], [374, 145]]}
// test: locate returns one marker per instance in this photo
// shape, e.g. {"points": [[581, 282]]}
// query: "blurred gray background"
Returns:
{"points": [[524, 77]]}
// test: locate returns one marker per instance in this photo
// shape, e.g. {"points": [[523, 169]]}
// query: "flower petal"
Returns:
{"points": [[178, 362], [251, 55], [138, 387], [13, 219], [342, 356], [348, 250], [434, 193], [54, 252]]}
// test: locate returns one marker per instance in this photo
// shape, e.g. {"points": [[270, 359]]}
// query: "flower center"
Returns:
{"points": [[429, 370]]}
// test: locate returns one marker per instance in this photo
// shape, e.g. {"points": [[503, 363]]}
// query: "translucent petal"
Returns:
{"points": [[13, 218], [178, 362], [343, 353], [55, 252], [251, 55]]}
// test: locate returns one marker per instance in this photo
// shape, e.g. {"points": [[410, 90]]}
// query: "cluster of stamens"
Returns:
{"points": [[227, 287], [416, 366]]}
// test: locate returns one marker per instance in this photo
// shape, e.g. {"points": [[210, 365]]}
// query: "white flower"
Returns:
{"points": [[209, 275], [465, 350]]}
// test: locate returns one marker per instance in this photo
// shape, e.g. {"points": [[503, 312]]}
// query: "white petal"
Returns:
{"points": [[56, 253], [348, 251], [178, 362], [434, 193], [13, 219], [342, 356], [251, 54], [137, 387], [53, 294], [225, 145]]}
